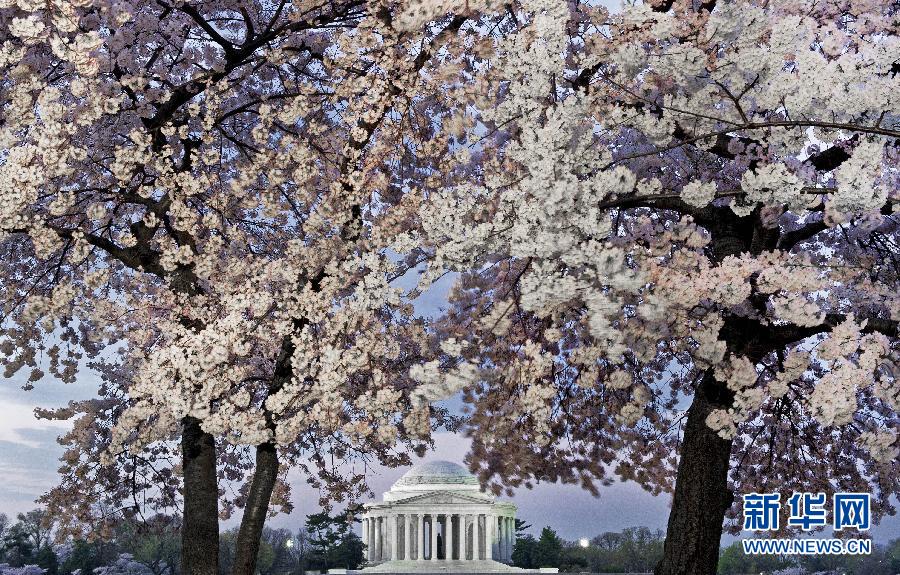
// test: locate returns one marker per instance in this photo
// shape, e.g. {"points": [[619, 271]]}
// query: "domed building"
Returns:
{"points": [[436, 519]]}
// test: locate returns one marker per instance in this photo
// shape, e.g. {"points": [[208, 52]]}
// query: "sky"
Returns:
{"points": [[29, 452]]}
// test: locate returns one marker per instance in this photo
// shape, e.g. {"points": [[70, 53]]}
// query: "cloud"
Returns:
{"points": [[27, 463], [17, 405], [29, 453], [18, 419]]}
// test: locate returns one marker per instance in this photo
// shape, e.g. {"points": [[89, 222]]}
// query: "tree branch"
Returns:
{"points": [[790, 239], [791, 333]]}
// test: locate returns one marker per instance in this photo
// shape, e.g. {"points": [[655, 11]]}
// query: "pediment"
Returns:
{"points": [[445, 498]]}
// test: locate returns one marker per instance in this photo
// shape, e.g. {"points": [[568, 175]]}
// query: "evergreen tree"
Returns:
{"points": [[332, 542], [548, 549], [15, 547], [85, 557], [322, 539], [523, 551], [892, 555], [349, 552], [46, 558]]}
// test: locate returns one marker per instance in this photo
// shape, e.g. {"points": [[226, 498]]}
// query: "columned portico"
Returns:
{"points": [[436, 517], [441, 537]]}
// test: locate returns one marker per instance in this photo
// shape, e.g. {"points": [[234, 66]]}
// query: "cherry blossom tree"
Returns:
{"points": [[676, 229], [25, 570], [202, 200], [124, 565]]}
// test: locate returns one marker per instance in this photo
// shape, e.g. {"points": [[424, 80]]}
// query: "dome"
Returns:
{"points": [[433, 476], [436, 473]]}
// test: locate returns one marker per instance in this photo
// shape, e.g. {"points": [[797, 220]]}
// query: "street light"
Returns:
{"points": [[584, 542]]}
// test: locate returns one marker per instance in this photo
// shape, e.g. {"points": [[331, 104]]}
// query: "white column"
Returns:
{"points": [[501, 539], [381, 538], [463, 536], [463, 540], [407, 536], [507, 547], [365, 533], [477, 537], [488, 535], [511, 521], [504, 538], [495, 537], [379, 535], [365, 536], [461, 544], [501, 533], [483, 517], [448, 537], [373, 535], [391, 533], [383, 547], [421, 550], [386, 537], [378, 538], [473, 545]]}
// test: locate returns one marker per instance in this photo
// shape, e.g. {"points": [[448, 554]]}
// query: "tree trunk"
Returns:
{"points": [[701, 489], [256, 509], [200, 529]]}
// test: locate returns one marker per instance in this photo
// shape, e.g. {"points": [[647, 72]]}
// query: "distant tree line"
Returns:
{"points": [[28, 546], [325, 542], [638, 549], [884, 560], [633, 550]]}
